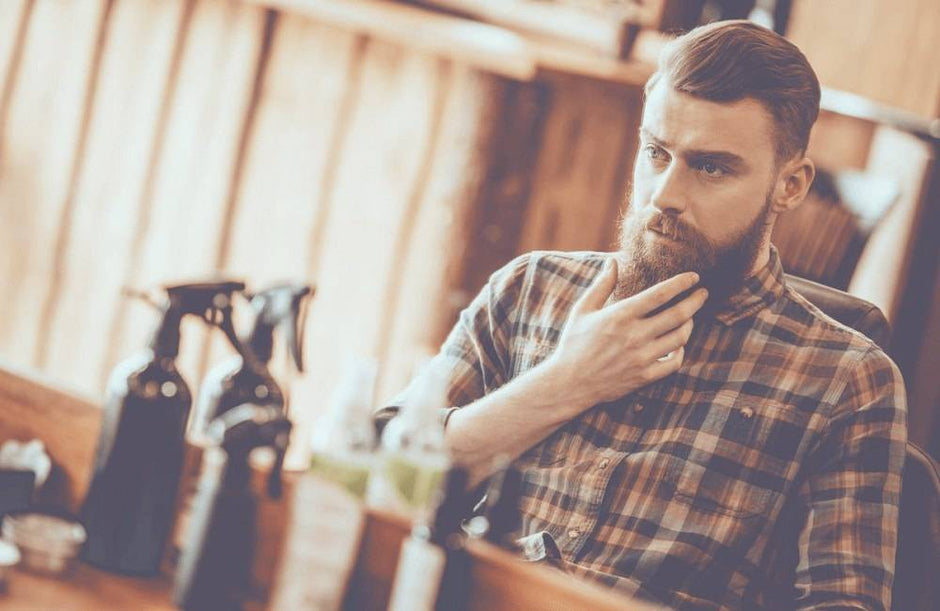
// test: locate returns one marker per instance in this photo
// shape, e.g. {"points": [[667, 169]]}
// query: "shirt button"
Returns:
{"points": [[603, 464], [574, 534], [747, 412]]}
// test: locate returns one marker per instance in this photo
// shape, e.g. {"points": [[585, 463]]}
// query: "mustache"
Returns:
{"points": [[668, 225]]}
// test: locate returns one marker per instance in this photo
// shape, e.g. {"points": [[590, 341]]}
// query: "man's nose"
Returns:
{"points": [[669, 193]]}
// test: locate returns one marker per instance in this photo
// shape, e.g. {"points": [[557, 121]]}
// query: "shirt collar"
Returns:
{"points": [[758, 291]]}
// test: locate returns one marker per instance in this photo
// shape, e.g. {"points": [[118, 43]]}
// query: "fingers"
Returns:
{"points": [[672, 341], [666, 365], [676, 315], [596, 296], [660, 294]]}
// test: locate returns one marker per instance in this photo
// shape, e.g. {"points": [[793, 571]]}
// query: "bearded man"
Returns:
{"points": [[690, 429]]}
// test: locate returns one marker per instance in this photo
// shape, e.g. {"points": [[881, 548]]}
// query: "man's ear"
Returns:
{"points": [[793, 183]]}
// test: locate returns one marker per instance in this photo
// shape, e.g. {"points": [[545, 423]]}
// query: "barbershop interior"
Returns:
{"points": [[470, 305]]}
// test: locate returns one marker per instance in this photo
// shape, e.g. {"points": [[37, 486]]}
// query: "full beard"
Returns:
{"points": [[645, 260]]}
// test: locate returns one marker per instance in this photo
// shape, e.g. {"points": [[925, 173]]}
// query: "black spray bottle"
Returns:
{"points": [[238, 380], [215, 568], [129, 509]]}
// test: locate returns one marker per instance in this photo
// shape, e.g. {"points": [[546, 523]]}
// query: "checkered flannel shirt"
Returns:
{"points": [[764, 473]]}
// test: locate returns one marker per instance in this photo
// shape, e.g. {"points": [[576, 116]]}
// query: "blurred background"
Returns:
{"points": [[394, 154]]}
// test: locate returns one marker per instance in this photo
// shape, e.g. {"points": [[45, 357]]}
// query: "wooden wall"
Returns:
{"points": [[884, 50], [149, 141]]}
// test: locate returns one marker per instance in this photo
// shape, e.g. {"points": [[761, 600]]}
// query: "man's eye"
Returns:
{"points": [[655, 153], [712, 170]]}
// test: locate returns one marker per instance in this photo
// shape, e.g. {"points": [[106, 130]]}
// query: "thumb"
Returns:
{"points": [[596, 296]]}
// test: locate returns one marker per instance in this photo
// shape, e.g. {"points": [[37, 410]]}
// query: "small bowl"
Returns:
{"points": [[48, 544]]}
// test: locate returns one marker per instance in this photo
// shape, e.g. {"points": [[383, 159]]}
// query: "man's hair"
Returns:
{"points": [[729, 61]]}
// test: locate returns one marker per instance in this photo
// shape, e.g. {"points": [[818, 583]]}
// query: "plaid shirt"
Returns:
{"points": [[764, 473]]}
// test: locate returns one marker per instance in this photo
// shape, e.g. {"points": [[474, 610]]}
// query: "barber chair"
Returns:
{"points": [[917, 570]]}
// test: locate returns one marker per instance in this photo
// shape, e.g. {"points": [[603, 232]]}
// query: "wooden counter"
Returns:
{"points": [[87, 588], [68, 425]]}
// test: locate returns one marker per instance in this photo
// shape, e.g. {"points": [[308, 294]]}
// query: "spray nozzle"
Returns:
{"points": [[241, 430], [280, 305], [210, 301]]}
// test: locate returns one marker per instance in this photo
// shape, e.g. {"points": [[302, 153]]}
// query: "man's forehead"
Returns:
{"points": [[684, 122]]}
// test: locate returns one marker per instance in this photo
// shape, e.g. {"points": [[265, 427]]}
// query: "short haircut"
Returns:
{"points": [[728, 61]]}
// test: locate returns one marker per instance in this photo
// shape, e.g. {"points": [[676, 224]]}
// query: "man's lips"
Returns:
{"points": [[660, 234]]}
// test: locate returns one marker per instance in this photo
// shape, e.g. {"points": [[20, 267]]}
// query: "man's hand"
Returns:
{"points": [[606, 352]]}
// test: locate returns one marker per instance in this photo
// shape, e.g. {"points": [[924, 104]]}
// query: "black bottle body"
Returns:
{"points": [[131, 503], [215, 571], [230, 384]]}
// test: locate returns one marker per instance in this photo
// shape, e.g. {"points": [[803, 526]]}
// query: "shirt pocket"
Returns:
{"points": [[708, 492], [733, 460]]}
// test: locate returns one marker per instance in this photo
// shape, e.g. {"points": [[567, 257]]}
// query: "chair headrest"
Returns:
{"points": [[852, 311]]}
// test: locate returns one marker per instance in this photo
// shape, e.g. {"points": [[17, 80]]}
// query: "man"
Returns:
{"points": [[690, 429]]}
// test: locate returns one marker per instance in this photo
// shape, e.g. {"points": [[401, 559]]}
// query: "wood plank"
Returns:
{"points": [[278, 202], [511, 152], [854, 46], [881, 274], [584, 166], [35, 407], [425, 295], [608, 33], [376, 173], [14, 23], [838, 142], [89, 588], [42, 140], [483, 46], [136, 69], [186, 212]]}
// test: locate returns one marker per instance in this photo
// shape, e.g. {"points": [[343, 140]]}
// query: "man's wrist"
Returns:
{"points": [[558, 390]]}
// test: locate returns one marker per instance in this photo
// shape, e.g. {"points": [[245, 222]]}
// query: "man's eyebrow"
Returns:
{"points": [[714, 156]]}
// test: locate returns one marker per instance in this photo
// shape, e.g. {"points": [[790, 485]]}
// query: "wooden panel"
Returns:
{"points": [[187, 204], [510, 155], [41, 141], [300, 119], [880, 49], [424, 296], [67, 423], [14, 20], [378, 169], [135, 71], [838, 142], [89, 588], [479, 45], [883, 267], [584, 166]]}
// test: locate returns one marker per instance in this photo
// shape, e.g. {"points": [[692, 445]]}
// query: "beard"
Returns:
{"points": [[645, 260]]}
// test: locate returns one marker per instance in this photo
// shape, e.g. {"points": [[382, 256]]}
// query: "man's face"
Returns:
{"points": [[701, 192]]}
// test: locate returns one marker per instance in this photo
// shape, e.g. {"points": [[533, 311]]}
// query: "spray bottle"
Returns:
{"points": [[413, 456], [129, 509], [215, 569], [238, 380]]}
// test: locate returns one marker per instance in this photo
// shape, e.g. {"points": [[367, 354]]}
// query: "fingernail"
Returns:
{"points": [[694, 278]]}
